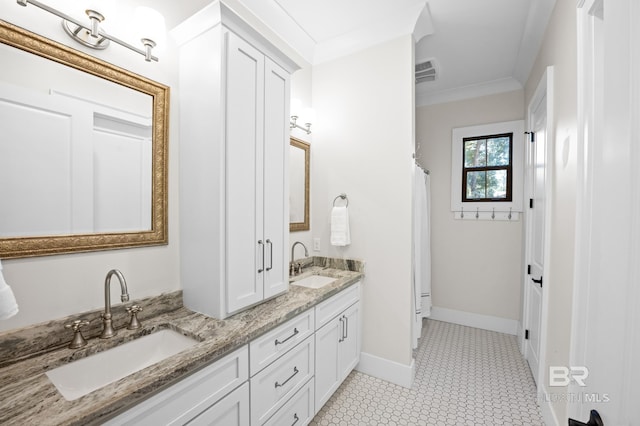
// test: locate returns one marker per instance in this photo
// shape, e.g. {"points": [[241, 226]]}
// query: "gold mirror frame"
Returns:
{"points": [[49, 245], [303, 226]]}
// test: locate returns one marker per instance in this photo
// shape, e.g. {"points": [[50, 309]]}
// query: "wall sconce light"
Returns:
{"points": [[90, 34]]}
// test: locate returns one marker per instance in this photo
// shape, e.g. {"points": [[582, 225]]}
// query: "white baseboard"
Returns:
{"points": [[387, 370], [485, 322], [520, 337]]}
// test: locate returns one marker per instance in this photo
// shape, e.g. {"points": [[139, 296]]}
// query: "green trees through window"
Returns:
{"points": [[487, 168]]}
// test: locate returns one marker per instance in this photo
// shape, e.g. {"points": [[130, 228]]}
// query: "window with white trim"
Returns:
{"points": [[487, 171]]}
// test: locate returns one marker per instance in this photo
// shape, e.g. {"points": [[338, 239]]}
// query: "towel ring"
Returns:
{"points": [[343, 196]]}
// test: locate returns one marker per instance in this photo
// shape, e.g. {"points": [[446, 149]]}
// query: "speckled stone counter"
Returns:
{"points": [[27, 397]]}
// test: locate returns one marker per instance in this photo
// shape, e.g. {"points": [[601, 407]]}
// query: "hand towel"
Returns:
{"points": [[8, 305], [340, 235]]}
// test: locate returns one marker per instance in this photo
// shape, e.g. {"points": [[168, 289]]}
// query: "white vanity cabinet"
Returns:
{"points": [[281, 366], [283, 377], [218, 394], [234, 145], [337, 342]]}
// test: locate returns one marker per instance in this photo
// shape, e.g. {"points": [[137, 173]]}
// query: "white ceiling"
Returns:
{"points": [[479, 47]]}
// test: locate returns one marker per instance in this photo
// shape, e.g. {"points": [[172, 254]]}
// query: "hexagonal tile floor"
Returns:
{"points": [[464, 376]]}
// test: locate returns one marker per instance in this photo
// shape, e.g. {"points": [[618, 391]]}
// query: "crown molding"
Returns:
{"points": [[424, 97]]}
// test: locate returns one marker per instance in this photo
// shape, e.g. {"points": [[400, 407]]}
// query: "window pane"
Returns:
{"points": [[497, 184], [476, 185], [498, 151], [475, 154]]}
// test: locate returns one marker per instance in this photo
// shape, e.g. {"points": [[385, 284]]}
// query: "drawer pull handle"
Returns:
{"points": [[295, 419], [261, 244], [295, 371], [295, 331], [341, 329], [346, 327], [270, 255]]}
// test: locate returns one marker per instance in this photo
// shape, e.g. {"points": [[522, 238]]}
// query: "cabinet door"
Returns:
{"points": [[327, 355], [244, 137], [349, 352], [232, 410], [276, 178]]}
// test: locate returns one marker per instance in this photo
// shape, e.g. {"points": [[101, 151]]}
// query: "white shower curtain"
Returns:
{"points": [[421, 250]]}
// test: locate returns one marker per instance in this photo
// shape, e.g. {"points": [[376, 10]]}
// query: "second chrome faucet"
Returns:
{"points": [[292, 265]]}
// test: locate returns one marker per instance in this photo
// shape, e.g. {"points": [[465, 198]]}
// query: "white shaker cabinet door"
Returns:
{"points": [[327, 361], [350, 345], [276, 179], [245, 247], [337, 352]]}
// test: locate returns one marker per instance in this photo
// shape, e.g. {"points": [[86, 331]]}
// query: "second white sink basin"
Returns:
{"points": [[85, 375], [314, 281]]}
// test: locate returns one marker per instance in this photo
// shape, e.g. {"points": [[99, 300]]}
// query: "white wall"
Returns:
{"points": [[56, 286], [476, 265], [362, 146], [301, 90], [559, 49]]}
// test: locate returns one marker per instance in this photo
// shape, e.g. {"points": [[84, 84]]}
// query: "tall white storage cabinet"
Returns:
{"points": [[234, 139]]}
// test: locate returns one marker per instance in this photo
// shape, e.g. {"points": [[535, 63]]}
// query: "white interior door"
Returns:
{"points": [[534, 282], [606, 305]]}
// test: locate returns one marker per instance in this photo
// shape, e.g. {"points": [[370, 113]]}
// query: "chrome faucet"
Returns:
{"points": [[292, 265], [108, 330]]}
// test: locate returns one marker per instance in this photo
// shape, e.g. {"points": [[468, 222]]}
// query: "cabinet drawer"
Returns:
{"points": [[333, 306], [277, 383], [188, 398], [267, 348], [232, 410], [297, 411]]}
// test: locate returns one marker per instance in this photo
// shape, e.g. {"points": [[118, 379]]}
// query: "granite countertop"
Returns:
{"points": [[28, 397]]}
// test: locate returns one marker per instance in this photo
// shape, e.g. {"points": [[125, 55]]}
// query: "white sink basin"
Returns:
{"points": [[314, 281], [85, 375]]}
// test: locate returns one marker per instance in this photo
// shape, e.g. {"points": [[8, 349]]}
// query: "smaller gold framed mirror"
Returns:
{"points": [[299, 164]]}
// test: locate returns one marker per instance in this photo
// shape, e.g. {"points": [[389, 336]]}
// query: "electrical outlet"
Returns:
{"points": [[316, 244]]}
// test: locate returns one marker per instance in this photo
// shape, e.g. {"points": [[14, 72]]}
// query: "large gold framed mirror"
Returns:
{"points": [[299, 164], [83, 153]]}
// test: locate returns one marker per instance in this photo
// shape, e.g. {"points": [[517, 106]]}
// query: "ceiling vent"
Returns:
{"points": [[426, 71]]}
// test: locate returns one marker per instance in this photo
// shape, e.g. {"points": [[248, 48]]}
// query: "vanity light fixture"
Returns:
{"points": [[90, 34], [307, 114], [293, 124]]}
